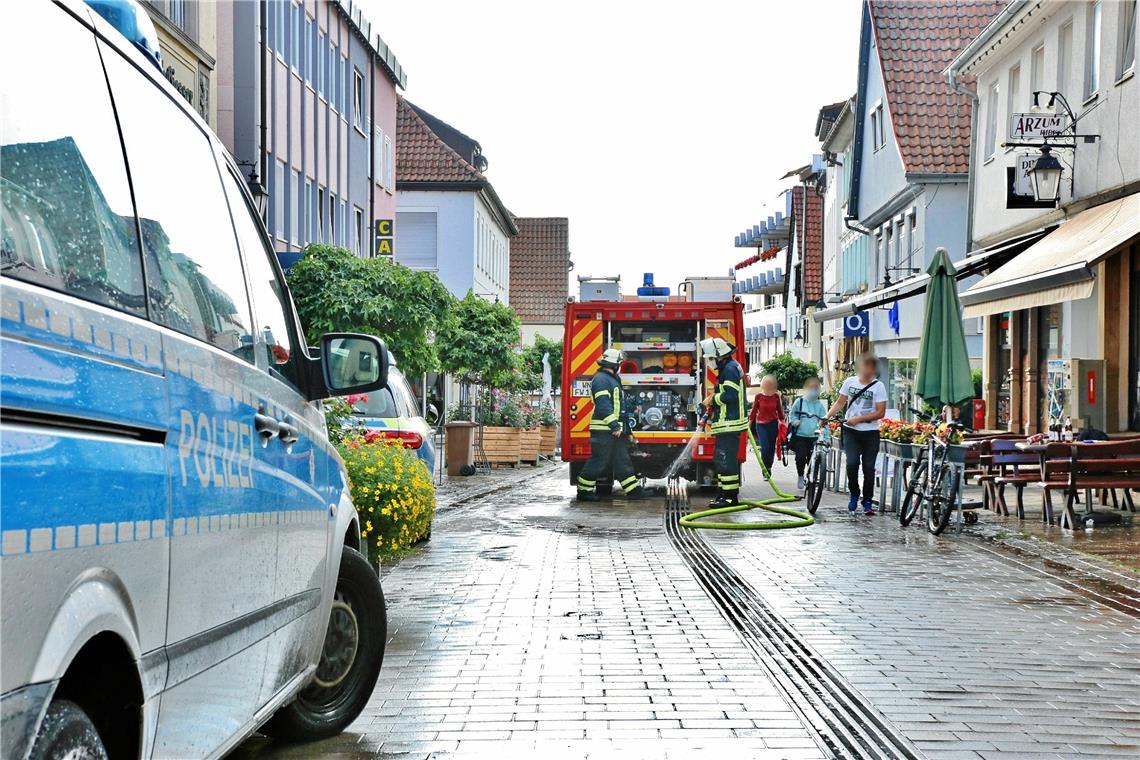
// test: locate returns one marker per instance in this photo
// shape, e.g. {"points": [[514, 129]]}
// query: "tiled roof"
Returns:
{"points": [[916, 41], [809, 241], [421, 156], [540, 258]]}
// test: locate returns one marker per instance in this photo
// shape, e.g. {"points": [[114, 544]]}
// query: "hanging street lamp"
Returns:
{"points": [[1046, 175]]}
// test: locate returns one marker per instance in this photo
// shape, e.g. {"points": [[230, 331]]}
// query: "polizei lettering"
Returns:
{"points": [[217, 450]]}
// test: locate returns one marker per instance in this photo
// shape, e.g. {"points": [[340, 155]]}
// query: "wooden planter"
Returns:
{"points": [[501, 445], [530, 440], [549, 440]]}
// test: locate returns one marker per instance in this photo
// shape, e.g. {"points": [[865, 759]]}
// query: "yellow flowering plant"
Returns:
{"points": [[393, 492]]}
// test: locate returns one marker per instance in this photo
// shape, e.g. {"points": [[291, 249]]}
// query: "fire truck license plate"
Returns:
{"points": [[581, 388]]}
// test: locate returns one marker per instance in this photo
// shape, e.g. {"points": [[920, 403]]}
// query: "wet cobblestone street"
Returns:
{"points": [[533, 626]]}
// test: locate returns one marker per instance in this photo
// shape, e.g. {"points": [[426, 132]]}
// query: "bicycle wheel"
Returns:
{"points": [[943, 499], [813, 483], [914, 493]]}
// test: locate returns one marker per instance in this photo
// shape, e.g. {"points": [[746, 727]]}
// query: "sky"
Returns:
{"points": [[660, 129]]}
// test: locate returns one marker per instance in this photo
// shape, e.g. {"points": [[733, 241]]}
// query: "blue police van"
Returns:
{"points": [[180, 563]]}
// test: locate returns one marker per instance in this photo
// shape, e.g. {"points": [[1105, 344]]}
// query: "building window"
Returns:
{"points": [[320, 55], [357, 100], [331, 89], [911, 233], [295, 13], [358, 219], [320, 213], [1064, 57], [991, 121], [332, 219], [1037, 70], [877, 130], [307, 42], [279, 29], [176, 12], [1126, 59], [295, 208], [378, 156], [389, 166], [1092, 50], [279, 199], [1013, 92], [307, 213], [342, 225]]}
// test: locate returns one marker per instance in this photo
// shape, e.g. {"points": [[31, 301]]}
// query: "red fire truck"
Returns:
{"points": [[662, 375]]}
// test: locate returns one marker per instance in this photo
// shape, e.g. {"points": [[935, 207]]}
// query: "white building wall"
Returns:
{"points": [[492, 271], [1111, 112], [455, 241]]}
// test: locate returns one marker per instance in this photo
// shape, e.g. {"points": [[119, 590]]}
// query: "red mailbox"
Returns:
{"points": [[979, 414]]}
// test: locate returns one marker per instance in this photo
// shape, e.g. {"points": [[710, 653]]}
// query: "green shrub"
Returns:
{"points": [[393, 492]]}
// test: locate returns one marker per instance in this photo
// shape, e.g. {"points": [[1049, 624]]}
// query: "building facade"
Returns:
{"points": [[1062, 318], [540, 276], [908, 172], [449, 219], [761, 281], [803, 286], [188, 39], [307, 105]]}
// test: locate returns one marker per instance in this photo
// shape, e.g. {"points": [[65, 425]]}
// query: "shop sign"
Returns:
{"points": [[1036, 126], [384, 237], [857, 325]]}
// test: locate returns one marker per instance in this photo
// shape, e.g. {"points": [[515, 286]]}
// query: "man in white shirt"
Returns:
{"points": [[863, 401]]}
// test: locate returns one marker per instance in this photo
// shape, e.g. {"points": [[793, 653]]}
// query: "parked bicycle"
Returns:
{"points": [[934, 482], [817, 470]]}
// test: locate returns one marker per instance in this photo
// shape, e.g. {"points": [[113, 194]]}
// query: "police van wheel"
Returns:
{"points": [[67, 732], [350, 661]]}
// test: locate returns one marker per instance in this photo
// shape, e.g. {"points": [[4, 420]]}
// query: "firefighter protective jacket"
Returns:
{"points": [[728, 412], [606, 391]]}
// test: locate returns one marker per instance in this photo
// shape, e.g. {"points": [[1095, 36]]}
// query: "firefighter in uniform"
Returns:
{"points": [[609, 434], [728, 419]]}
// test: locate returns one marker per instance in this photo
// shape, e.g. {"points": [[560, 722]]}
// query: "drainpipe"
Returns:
{"points": [[972, 94], [372, 157], [261, 50]]}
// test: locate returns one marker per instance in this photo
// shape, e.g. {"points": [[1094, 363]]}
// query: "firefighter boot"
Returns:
{"points": [[725, 499], [588, 496]]}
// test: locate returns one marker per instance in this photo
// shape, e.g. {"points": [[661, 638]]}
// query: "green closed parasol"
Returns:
{"points": [[944, 375]]}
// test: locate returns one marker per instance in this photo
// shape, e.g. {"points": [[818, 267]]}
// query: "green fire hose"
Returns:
{"points": [[802, 520]]}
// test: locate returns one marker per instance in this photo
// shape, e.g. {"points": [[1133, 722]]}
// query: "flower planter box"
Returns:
{"points": [[530, 440], [501, 445], [956, 453], [890, 448], [909, 450], [549, 440]]}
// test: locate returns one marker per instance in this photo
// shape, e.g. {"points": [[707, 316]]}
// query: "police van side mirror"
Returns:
{"points": [[353, 363]]}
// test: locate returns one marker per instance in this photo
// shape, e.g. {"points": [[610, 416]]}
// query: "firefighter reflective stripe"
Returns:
{"points": [[729, 482], [724, 423], [605, 423], [587, 485], [630, 483]]}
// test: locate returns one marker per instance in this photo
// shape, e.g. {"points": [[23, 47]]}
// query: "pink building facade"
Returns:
{"points": [[307, 105]]}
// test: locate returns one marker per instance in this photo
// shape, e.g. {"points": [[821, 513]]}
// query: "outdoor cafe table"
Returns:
{"points": [[1040, 448]]}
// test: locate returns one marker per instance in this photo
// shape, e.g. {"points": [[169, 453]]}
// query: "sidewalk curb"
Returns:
{"points": [[491, 488]]}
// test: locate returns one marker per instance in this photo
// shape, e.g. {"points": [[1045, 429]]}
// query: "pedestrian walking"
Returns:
{"points": [[863, 400], [728, 419], [766, 415], [805, 416], [609, 435]]}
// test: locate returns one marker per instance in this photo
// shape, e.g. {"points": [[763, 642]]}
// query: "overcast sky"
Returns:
{"points": [[660, 129]]}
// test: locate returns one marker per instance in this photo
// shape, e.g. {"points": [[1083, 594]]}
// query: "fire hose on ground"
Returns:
{"points": [[802, 519]]}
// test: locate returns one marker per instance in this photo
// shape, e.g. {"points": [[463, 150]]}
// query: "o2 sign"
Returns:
{"points": [[857, 325]]}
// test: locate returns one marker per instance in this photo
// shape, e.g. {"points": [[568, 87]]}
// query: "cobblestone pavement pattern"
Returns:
{"points": [[532, 624]]}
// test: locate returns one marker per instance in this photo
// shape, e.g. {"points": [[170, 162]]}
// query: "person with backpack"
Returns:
{"points": [[804, 418], [863, 401]]}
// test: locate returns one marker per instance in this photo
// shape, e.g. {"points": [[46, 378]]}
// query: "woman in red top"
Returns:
{"points": [[766, 415]]}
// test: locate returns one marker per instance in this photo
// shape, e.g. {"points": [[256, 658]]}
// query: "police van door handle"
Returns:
{"points": [[267, 428], [288, 433]]}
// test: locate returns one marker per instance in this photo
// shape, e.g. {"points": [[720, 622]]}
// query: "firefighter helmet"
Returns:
{"points": [[611, 358], [716, 347]]}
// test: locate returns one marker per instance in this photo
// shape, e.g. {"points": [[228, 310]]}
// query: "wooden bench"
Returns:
{"points": [[1102, 467], [1011, 467]]}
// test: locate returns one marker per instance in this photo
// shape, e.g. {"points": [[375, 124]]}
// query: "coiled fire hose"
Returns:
{"points": [[803, 519]]}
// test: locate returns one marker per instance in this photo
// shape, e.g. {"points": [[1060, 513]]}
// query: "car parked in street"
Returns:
{"points": [[394, 413], [180, 562]]}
